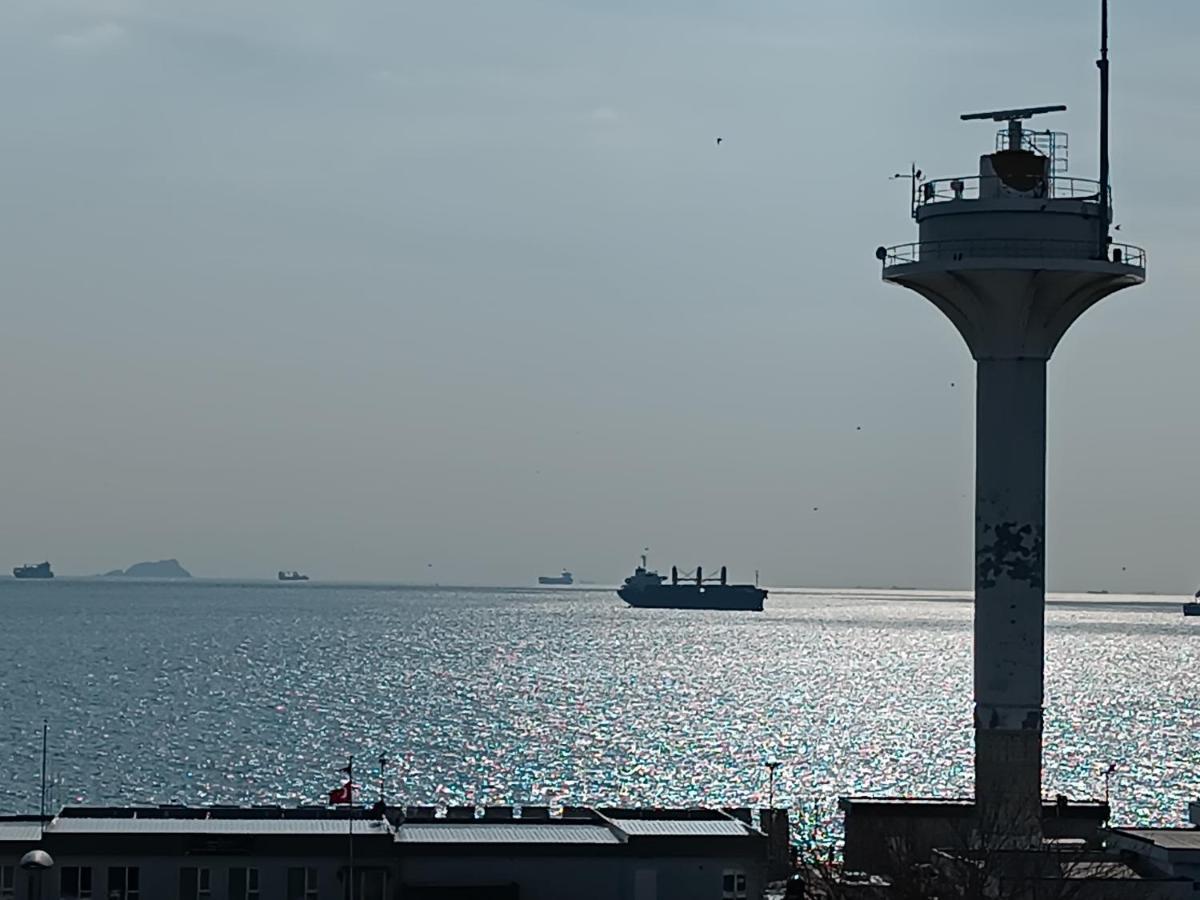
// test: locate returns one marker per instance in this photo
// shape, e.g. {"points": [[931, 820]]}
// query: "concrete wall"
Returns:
{"points": [[536, 877], [1017, 221], [589, 877], [159, 875], [879, 835], [776, 825]]}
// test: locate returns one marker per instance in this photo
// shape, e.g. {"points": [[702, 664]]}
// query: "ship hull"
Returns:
{"points": [[554, 579], [1192, 609], [742, 597], [39, 573]]}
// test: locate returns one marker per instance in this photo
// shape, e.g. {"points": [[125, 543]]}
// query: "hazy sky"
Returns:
{"points": [[359, 287]]}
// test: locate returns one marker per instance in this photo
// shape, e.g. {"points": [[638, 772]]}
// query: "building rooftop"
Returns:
{"points": [[576, 825], [1166, 838], [681, 827], [193, 825], [447, 831], [21, 829], [921, 806]]}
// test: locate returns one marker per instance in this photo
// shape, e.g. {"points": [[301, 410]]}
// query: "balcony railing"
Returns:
{"points": [[943, 190], [983, 248]]}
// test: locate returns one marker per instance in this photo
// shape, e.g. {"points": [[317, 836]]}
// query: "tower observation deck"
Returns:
{"points": [[1012, 256], [1045, 230]]}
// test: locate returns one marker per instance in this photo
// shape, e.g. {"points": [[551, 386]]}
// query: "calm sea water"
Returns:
{"points": [[208, 692]]}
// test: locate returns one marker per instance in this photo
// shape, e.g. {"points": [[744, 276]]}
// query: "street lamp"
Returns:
{"points": [[772, 765], [383, 761], [1108, 774], [36, 862]]}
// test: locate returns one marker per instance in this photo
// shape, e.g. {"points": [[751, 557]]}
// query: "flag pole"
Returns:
{"points": [[350, 785], [42, 815]]}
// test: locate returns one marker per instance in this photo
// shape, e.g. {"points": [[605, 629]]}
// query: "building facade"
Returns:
{"points": [[272, 853]]}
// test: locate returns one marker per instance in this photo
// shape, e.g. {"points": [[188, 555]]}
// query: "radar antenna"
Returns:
{"points": [[1013, 117]]}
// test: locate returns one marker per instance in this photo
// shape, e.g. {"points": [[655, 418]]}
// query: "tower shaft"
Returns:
{"points": [[1010, 595]]}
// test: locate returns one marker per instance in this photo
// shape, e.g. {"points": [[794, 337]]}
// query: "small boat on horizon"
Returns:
{"points": [[565, 578], [1192, 608], [31, 570], [291, 576]]}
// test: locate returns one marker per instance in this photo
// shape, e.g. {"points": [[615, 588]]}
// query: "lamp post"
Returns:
{"points": [[1108, 773], [383, 761], [772, 765]]}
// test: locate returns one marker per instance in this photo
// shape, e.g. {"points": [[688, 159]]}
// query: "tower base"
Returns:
{"points": [[1008, 768]]}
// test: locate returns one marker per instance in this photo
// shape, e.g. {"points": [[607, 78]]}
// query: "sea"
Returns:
{"points": [[205, 692]]}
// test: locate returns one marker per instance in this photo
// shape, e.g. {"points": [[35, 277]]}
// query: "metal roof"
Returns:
{"points": [[681, 827], [25, 832], [503, 833], [82, 825], [1167, 838]]}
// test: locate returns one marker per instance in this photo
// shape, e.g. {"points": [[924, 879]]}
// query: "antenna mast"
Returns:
{"points": [[1102, 65]]}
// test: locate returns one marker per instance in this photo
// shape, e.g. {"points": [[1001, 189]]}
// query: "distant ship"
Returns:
{"points": [[291, 576], [565, 578], [646, 588], [1193, 608], [41, 570]]}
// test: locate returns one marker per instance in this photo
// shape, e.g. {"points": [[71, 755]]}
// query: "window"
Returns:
{"points": [[243, 884], [371, 884], [302, 883], [645, 884], [733, 885], [123, 883], [75, 883], [8, 882], [195, 883]]}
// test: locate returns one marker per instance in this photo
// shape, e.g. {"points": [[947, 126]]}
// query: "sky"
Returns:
{"points": [[465, 291]]}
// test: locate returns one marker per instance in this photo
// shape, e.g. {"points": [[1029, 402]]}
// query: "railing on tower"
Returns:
{"points": [[1054, 145], [943, 190], [986, 248]]}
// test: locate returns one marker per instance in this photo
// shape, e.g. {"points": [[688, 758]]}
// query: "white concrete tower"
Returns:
{"points": [[1012, 256]]}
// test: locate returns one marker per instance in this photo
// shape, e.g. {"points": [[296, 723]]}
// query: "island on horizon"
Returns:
{"points": [[163, 568]]}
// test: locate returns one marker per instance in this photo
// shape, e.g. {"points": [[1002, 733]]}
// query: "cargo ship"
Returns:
{"points": [[565, 578], [39, 570], [646, 588], [292, 576]]}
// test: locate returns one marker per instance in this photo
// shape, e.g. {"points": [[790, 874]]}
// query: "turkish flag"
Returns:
{"points": [[344, 794]]}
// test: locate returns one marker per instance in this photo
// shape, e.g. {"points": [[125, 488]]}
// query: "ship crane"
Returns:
{"points": [[697, 575]]}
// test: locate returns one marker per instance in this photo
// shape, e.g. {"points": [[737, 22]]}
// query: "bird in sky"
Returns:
{"points": [[719, 141]]}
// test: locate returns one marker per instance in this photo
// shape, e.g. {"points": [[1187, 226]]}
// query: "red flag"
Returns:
{"points": [[344, 794]]}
